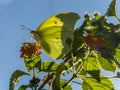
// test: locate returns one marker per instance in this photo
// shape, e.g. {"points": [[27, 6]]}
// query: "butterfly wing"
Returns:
{"points": [[54, 32]]}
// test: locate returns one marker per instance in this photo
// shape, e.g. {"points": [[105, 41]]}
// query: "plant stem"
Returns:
{"points": [[118, 19], [45, 82], [74, 76], [72, 81], [34, 76], [88, 53]]}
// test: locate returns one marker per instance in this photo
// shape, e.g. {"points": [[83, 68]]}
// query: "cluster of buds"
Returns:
{"points": [[30, 50]]}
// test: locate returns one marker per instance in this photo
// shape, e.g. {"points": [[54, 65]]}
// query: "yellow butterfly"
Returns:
{"points": [[56, 34]]}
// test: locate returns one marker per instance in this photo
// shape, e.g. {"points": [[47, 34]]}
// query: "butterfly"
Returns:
{"points": [[56, 34]]}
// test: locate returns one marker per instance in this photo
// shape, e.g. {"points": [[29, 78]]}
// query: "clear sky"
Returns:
{"points": [[31, 13]]}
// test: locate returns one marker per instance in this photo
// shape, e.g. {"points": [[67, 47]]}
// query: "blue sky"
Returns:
{"points": [[31, 13]]}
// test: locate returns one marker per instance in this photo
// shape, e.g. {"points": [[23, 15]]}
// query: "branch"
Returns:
{"points": [[72, 81], [46, 81], [74, 76], [118, 19]]}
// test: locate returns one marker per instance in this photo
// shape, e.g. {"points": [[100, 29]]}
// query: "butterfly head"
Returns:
{"points": [[36, 35]]}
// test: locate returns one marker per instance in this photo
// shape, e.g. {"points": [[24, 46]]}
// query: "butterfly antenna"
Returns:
{"points": [[23, 27]]}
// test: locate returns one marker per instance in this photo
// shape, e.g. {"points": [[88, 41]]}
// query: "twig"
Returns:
{"points": [[45, 82], [72, 81], [118, 19], [74, 76]]}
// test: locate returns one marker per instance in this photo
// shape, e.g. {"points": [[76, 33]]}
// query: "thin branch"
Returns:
{"points": [[74, 76], [72, 81], [100, 77], [46, 81], [118, 19]]}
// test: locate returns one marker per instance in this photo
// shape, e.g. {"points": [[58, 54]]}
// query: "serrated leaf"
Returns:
{"points": [[107, 53], [112, 9], [92, 66], [15, 78], [92, 84], [56, 82], [112, 42], [30, 64], [68, 87], [91, 63], [111, 55], [106, 64]]}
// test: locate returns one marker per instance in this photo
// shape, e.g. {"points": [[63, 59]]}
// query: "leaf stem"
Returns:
{"points": [[117, 18], [88, 53]]}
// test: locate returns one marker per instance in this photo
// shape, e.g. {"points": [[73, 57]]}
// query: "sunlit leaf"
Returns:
{"points": [[30, 64], [106, 64], [118, 54], [15, 78], [112, 9], [98, 22], [82, 72], [92, 66], [23, 87], [93, 84], [48, 66], [91, 63]]}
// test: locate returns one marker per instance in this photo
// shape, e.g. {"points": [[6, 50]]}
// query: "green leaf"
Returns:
{"points": [[92, 84], [48, 66], [68, 87], [56, 82], [95, 74], [15, 78], [77, 42], [92, 66], [30, 64], [23, 87], [106, 64], [112, 9], [118, 54], [38, 65], [112, 42], [82, 72], [107, 53]]}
